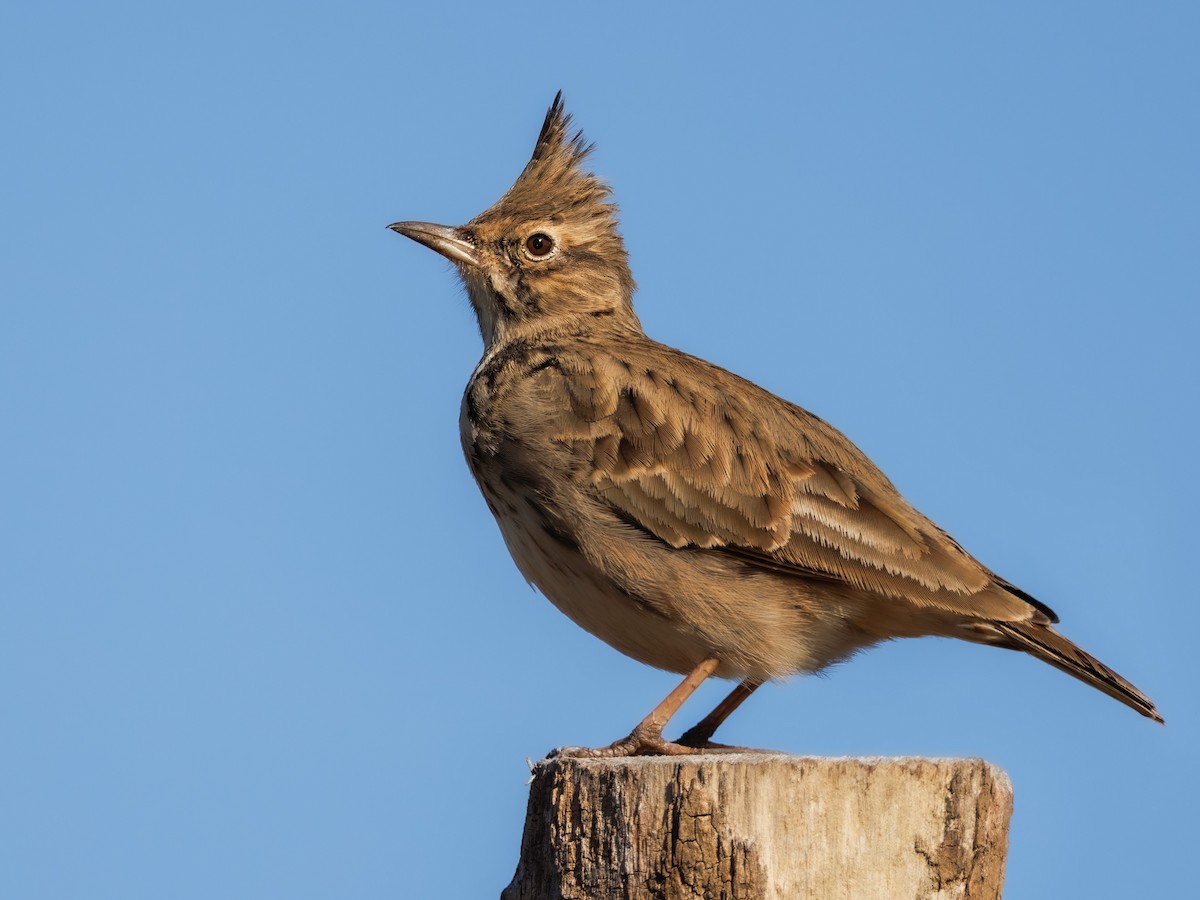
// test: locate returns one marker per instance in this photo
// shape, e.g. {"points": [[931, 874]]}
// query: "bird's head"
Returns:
{"points": [[548, 253]]}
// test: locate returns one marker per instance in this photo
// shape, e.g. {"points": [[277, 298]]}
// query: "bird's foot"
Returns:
{"points": [[700, 738], [642, 741], [649, 742]]}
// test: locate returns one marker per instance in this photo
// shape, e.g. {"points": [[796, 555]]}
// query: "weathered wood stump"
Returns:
{"points": [[753, 826]]}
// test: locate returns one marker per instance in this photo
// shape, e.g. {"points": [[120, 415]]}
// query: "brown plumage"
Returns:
{"points": [[688, 517]]}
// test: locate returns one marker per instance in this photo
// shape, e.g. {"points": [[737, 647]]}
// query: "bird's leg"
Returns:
{"points": [[646, 739], [700, 734]]}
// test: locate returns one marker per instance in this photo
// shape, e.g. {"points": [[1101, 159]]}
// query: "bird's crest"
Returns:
{"points": [[555, 180]]}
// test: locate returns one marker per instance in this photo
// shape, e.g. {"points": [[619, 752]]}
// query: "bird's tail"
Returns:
{"points": [[1049, 646]]}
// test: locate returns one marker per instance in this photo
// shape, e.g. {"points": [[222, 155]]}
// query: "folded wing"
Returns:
{"points": [[698, 459]]}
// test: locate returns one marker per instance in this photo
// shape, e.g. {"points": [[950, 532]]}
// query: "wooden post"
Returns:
{"points": [[763, 826]]}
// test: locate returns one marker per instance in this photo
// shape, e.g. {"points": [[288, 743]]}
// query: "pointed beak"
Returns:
{"points": [[445, 240]]}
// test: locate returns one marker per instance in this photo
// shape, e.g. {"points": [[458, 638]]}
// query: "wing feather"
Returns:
{"points": [[706, 459]]}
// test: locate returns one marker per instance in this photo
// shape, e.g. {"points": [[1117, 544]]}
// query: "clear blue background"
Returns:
{"points": [[259, 636]]}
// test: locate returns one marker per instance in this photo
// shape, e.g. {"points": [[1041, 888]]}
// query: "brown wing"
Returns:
{"points": [[703, 458]]}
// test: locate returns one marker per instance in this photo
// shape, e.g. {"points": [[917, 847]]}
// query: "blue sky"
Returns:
{"points": [[259, 636]]}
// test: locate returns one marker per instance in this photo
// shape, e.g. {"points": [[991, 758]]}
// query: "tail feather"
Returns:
{"points": [[1049, 646]]}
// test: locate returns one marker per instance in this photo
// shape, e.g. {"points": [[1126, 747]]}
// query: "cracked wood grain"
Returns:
{"points": [[760, 826]]}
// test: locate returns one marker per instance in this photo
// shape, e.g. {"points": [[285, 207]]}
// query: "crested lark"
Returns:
{"points": [[680, 513]]}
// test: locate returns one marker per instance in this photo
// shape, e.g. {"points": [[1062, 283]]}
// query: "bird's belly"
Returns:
{"points": [[760, 627], [666, 607], [593, 602]]}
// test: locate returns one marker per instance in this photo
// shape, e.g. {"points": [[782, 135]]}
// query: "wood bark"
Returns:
{"points": [[753, 826]]}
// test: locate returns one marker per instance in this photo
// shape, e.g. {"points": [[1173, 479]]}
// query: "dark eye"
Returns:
{"points": [[539, 244]]}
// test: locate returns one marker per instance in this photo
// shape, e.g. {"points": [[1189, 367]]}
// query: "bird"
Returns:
{"points": [[689, 518]]}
